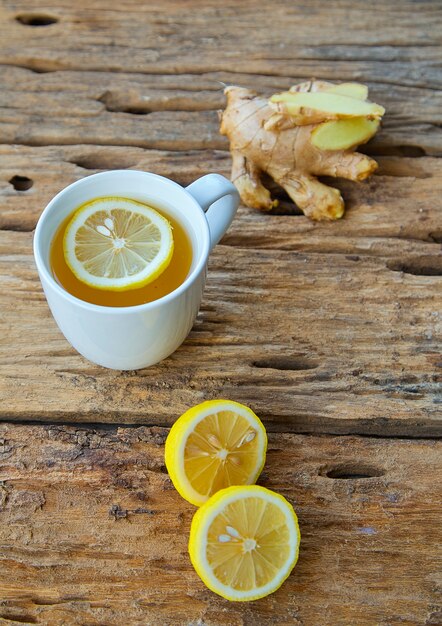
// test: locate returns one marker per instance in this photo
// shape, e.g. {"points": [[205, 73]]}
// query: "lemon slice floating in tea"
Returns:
{"points": [[244, 542], [117, 244], [212, 446]]}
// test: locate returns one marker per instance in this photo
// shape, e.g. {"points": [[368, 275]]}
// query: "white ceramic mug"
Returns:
{"points": [[137, 336]]}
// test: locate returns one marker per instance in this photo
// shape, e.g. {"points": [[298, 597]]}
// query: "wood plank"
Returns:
{"points": [[320, 328], [179, 112], [339, 343], [92, 530], [396, 212], [399, 42]]}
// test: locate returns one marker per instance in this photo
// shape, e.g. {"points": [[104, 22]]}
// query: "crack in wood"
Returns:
{"points": [[419, 266], [435, 236], [415, 152], [19, 619], [118, 513], [289, 363], [43, 66], [36, 19], [278, 425], [102, 161], [351, 471]]}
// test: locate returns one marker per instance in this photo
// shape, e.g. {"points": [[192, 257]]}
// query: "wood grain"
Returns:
{"points": [[328, 349], [323, 329], [398, 44], [179, 111], [409, 187], [346, 332], [89, 519]]}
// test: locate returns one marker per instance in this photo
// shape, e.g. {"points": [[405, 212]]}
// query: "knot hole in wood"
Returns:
{"points": [[351, 471], [21, 183], [36, 19]]}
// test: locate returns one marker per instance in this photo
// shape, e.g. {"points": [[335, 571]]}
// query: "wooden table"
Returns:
{"points": [[330, 332]]}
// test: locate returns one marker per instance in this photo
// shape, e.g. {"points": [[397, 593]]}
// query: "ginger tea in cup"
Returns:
{"points": [[120, 333], [118, 241]]}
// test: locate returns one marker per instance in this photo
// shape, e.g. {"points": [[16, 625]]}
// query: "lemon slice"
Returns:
{"points": [[244, 542], [214, 445], [117, 244]]}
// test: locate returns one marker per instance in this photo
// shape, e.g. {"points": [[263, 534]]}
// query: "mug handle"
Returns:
{"points": [[219, 199]]}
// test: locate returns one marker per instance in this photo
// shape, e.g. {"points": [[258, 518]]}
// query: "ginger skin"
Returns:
{"points": [[264, 141]]}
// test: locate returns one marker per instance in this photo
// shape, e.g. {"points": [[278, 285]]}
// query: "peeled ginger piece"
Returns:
{"points": [[316, 107], [344, 134], [351, 90]]}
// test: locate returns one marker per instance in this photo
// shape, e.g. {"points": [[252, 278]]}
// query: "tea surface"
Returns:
{"points": [[168, 281]]}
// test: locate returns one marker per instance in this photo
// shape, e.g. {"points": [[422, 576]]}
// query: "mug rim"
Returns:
{"points": [[49, 278]]}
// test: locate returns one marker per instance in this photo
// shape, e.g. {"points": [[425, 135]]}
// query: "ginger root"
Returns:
{"points": [[296, 136]]}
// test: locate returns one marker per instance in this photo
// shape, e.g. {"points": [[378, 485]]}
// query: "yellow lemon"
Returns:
{"points": [[244, 542], [117, 244], [212, 446]]}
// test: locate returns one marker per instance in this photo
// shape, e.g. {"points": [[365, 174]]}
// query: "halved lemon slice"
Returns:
{"points": [[214, 445], [244, 542], [117, 244]]}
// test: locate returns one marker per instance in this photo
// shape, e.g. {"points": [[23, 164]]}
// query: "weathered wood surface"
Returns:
{"points": [[179, 112], [335, 355], [346, 330], [409, 187], [321, 328], [399, 44], [95, 67], [92, 532]]}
